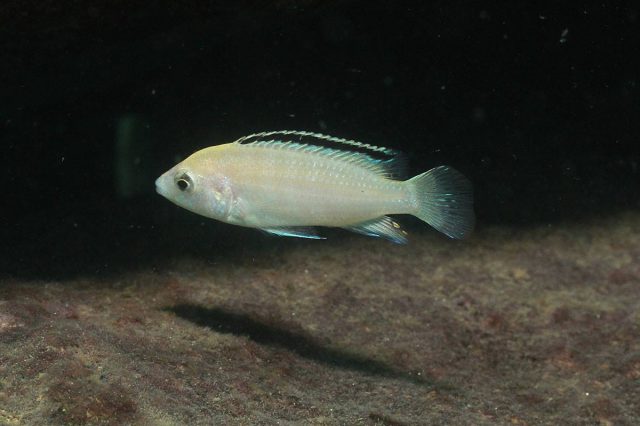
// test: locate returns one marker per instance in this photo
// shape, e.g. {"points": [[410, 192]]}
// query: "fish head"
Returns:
{"points": [[196, 184]]}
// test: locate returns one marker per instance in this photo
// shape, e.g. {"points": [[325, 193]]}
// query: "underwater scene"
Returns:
{"points": [[304, 212]]}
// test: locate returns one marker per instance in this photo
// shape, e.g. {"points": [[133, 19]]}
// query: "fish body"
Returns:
{"points": [[288, 182]]}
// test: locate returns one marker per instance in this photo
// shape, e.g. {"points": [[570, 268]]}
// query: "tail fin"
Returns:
{"points": [[445, 201]]}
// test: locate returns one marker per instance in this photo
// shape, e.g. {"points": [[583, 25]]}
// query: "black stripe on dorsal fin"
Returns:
{"points": [[392, 162], [318, 139]]}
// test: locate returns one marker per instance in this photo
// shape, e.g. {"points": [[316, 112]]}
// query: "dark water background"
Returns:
{"points": [[537, 105]]}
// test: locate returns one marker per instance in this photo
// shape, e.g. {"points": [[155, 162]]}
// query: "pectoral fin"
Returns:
{"points": [[384, 227], [294, 231]]}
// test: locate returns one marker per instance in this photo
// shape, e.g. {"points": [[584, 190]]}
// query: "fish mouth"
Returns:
{"points": [[159, 186]]}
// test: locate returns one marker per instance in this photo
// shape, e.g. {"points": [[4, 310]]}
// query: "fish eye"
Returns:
{"points": [[184, 182]]}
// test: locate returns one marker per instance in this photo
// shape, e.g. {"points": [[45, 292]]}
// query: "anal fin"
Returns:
{"points": [[294, 231], [384, 227]]}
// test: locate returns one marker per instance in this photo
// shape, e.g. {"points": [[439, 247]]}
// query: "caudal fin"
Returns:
{"points": [[445, 201]]}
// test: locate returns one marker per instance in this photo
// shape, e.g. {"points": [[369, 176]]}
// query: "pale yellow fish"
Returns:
{"points": [[288, 182]]}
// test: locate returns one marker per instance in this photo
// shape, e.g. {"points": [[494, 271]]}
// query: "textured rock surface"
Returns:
{"points": [[515, 327]]}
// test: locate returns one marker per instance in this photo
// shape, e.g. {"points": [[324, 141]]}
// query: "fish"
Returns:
{"points": [[291, 182]]}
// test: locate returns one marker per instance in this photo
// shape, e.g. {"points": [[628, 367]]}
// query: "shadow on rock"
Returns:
{"points": [[267, 333]]}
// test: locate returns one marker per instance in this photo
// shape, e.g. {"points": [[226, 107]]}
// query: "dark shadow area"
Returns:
{"points": [[147, 234], [276, 335]]}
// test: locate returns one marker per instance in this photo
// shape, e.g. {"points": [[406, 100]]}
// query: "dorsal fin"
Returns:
{"points": [[318, 139], [385, 161]]}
